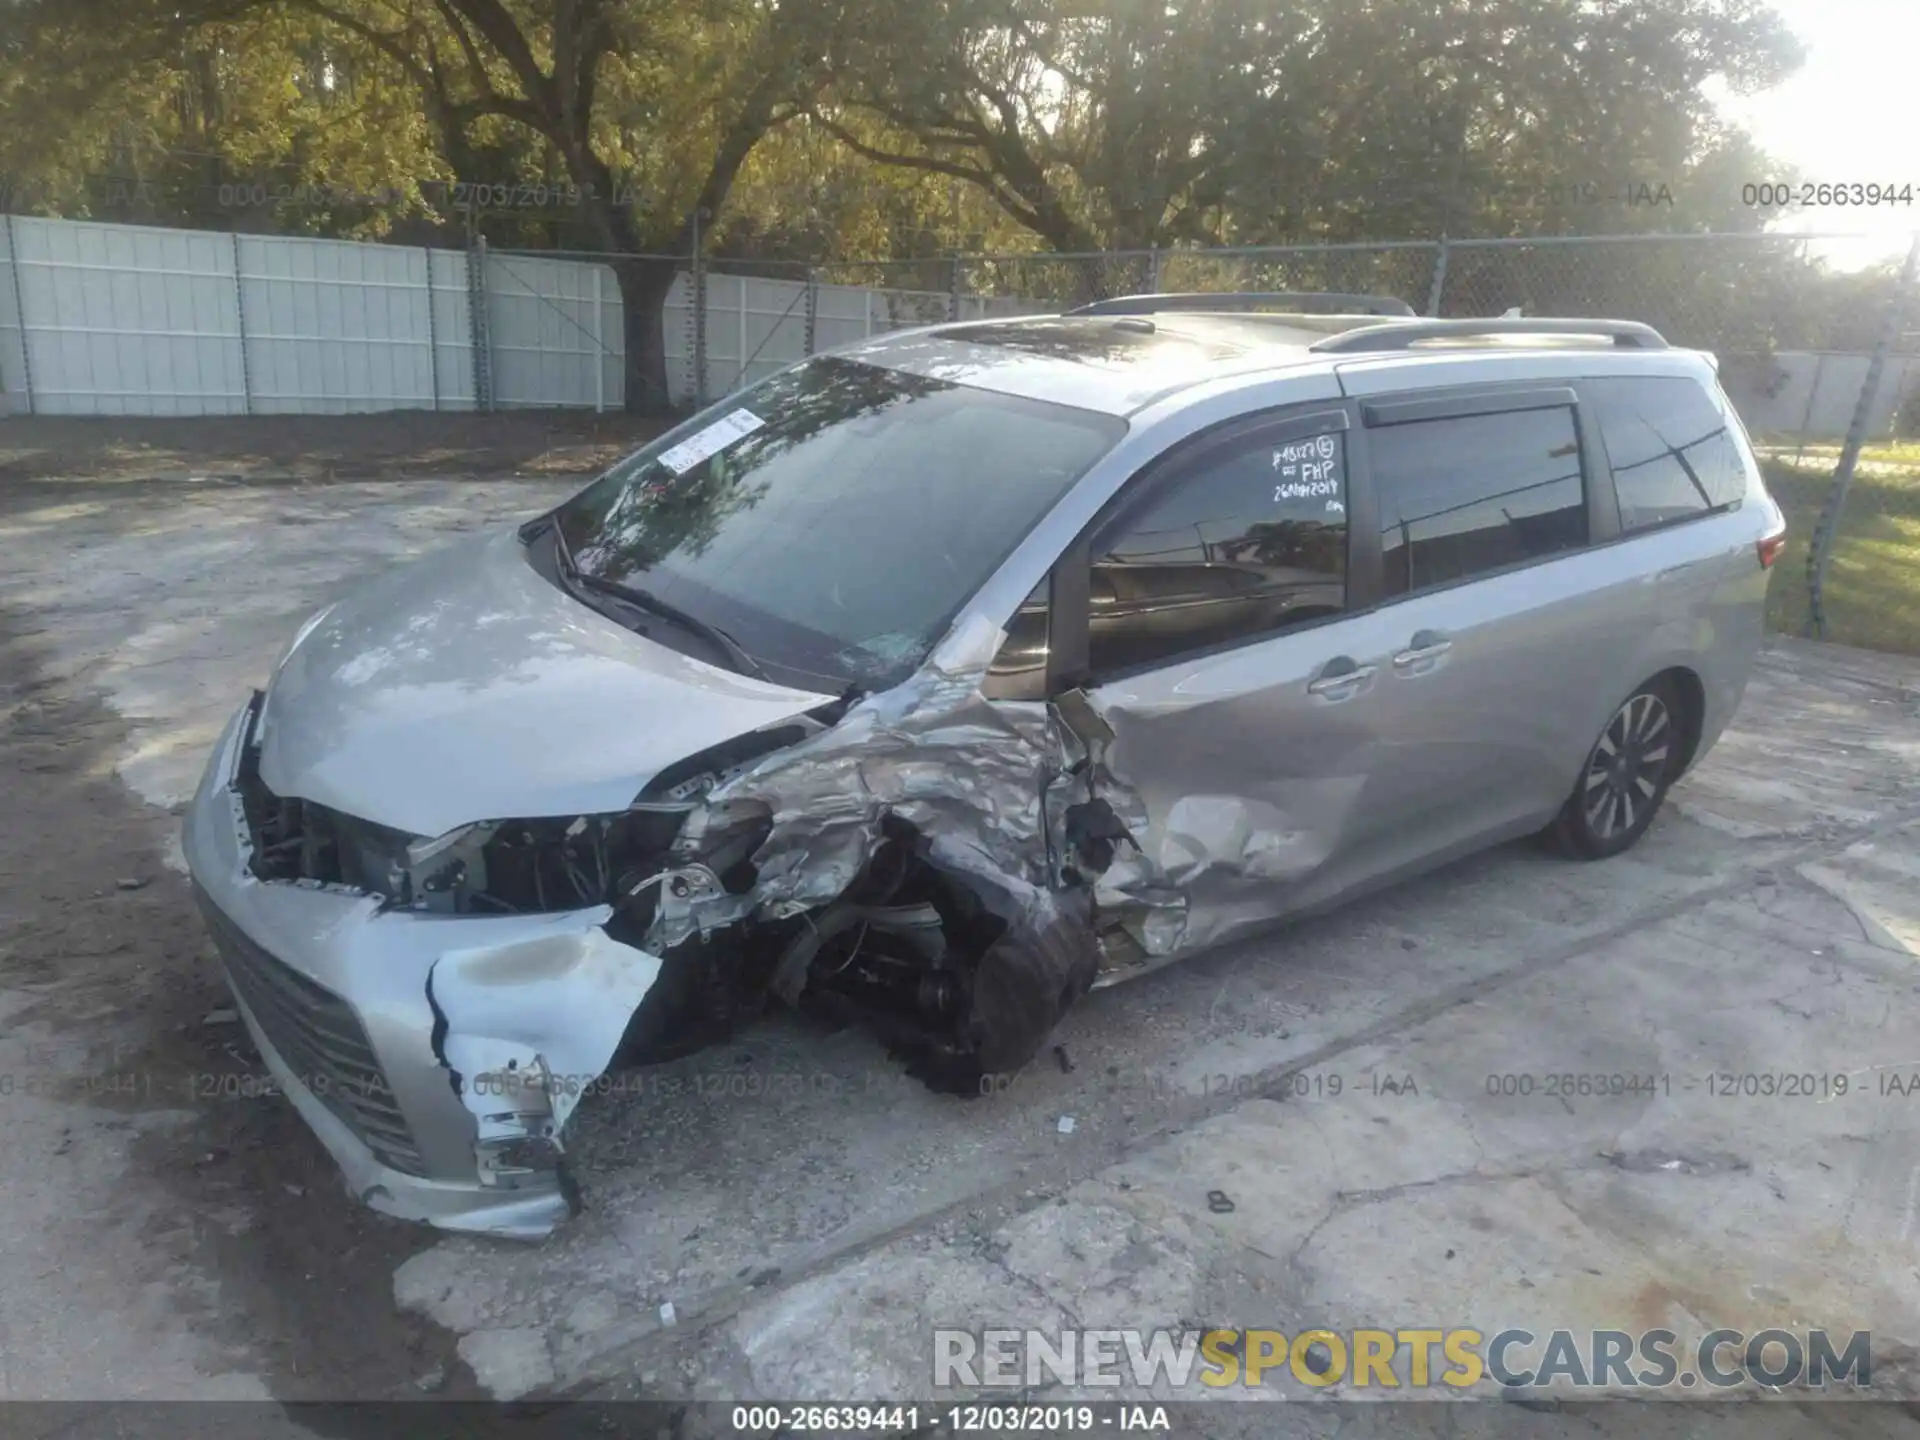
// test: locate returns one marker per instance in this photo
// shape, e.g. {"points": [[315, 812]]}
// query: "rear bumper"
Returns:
{"points": [[335, 993]]}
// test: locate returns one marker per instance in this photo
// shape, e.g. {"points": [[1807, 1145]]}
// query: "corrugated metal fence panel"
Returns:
{"points": [[1812, 394], [128, 320], [13, 373], [334, 327], [552, 324], [123, 319], [1846, 379], [841, 316], [904, 309], [755, 327], [452, 331], [613, 340]]}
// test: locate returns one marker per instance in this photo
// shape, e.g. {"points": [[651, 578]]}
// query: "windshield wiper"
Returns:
{"points": [[646, 600], [667, 610]]}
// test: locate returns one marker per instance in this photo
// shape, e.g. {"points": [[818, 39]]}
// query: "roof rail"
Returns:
{"points": [[1626, 334], [1235, 300]]}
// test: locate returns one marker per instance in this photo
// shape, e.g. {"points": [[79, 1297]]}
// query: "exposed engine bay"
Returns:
{"points": [[505, 867], [920, 864], [925, 868]]}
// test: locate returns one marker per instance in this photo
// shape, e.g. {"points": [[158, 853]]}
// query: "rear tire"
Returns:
{"points": [[1626, 775]]}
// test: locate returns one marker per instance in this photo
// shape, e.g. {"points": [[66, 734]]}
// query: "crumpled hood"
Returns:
{"points": [[465, 687]]}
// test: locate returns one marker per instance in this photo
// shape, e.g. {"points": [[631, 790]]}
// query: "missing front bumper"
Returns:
{"points": [[403, 1039]]}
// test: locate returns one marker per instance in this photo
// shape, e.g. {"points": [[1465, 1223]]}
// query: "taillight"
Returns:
{"points": [[1770, 546]]}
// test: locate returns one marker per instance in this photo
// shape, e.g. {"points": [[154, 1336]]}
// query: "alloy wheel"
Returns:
{"points": [[1627, 766]]}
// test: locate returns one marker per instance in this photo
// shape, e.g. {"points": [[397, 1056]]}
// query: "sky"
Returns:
{"points": [[1852, 113]]}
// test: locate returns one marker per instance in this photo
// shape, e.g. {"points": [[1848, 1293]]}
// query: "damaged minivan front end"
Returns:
{"points": [[508, 818], [437, 1011]]}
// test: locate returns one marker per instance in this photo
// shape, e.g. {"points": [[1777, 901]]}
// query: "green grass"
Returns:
{"points": [[1873, 582], [1825, 452]]}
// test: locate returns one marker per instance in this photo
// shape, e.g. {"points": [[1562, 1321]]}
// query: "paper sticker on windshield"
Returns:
{"points": [[723, 432]]}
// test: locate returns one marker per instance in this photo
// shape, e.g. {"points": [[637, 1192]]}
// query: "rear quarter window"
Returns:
{"points": [[1672, 449]]}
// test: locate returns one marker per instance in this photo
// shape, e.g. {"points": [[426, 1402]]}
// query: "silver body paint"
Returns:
{"points": [[466, 688]]}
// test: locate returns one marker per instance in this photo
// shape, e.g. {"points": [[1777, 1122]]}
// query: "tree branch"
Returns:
{"points": [[502, 32], [984, 180], [476, 66]]}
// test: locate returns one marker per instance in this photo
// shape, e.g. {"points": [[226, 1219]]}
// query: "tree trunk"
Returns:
{"points": [[644, 284]]}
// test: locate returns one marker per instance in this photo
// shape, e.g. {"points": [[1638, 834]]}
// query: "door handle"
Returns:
{"points": [[1425, 647], [1340, 678]]}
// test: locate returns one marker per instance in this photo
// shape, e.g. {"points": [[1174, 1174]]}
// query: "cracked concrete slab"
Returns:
{"points": [[1412, 1196]]}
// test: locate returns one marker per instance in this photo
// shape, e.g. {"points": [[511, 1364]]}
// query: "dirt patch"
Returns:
{"points": [[393, 445], [106, 941]]}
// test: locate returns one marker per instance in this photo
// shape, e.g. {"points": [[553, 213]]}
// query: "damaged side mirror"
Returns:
{"points": [[1092, 829], [1084, 723]]}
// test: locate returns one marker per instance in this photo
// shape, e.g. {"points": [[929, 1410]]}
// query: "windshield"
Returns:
{"points": [[834, 518]]}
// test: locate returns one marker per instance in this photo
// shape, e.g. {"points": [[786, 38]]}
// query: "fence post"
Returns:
{"points": [[699, 318], [240, 313], [599, 351], [478, 330], [1825, 530], [813, 310], [1439, 284], [20, 310], [433, 339], [740, 371], [953, 286], [1153, 271]]}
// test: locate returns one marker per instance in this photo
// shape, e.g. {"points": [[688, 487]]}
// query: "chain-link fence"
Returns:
{"points": [[1793, 333], [1734, 294], [1052, 281]]}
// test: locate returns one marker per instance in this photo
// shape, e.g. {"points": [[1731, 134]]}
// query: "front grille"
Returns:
{"points": [[320, 1038]]}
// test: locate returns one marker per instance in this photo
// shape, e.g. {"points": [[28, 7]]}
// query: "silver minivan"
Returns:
{"points": [[933, 682]]}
